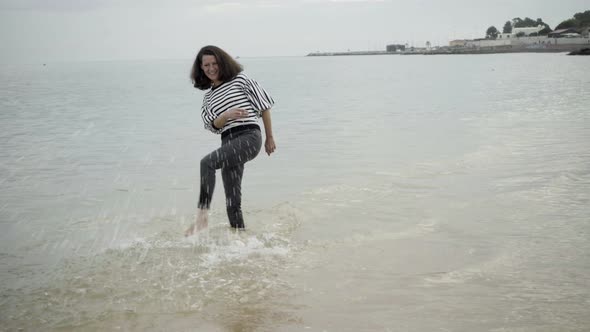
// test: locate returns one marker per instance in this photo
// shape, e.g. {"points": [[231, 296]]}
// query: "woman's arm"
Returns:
{"points": [[234, 113], [269, 144]]}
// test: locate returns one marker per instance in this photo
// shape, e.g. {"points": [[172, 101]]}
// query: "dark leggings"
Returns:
{"points": [[237, 148]]}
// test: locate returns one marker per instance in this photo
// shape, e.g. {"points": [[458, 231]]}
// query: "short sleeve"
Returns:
{"points": [[257, 96], [208, 118]]}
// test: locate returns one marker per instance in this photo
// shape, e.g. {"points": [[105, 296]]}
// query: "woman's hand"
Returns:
{"points": [[235, 113], [269, 145], [231, 114]]}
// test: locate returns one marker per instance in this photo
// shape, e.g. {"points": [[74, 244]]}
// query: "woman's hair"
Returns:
{"points": [[228, 67]]}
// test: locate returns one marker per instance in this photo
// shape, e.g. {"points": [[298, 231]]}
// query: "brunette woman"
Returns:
{"points": [[231, 107]]}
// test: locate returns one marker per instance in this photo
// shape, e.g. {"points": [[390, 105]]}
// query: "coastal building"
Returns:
{"points": [[561, 33], [482, 42], [395, 48], [566, 43], [527, 31], [524, 32], [458, 43]]}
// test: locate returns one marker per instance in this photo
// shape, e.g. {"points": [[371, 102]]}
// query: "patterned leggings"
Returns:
{"points": [[236, 149]]}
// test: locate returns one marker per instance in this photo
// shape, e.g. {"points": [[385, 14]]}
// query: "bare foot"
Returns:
{"points": [[201, 222]]}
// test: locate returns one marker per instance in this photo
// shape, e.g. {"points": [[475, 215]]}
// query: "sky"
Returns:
{"points": [[33, 31]]}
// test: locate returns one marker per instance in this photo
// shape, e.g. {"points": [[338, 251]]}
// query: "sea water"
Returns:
{"points": [[407, 193]]}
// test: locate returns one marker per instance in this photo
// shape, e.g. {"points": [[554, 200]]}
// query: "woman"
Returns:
{"points": [[231, 107]]}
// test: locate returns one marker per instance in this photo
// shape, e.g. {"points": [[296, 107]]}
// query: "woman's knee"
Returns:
{"points": [[206, 162]]}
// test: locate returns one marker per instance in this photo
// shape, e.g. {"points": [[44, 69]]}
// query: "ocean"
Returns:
{"points": [[407, 193]]}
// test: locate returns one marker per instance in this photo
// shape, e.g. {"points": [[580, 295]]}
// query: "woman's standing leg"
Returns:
{"points": [[249, 144], [232, 184]]}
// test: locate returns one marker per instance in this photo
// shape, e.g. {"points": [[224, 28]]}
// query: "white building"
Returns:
{"points": [[526, 31], [510, 41]]}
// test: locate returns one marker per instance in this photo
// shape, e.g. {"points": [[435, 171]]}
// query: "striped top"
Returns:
{"points": [[241, 92]]}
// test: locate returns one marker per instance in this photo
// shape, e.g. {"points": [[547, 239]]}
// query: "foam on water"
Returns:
{"points": [[165, 272]]}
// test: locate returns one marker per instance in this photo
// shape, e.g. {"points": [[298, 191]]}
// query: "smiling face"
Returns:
{"points": [[210, 68]]}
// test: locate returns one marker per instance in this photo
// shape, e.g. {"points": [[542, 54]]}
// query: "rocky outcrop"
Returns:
{"points": [[583, 51]]}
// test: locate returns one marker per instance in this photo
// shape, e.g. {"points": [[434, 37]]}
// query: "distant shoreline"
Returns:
{"points": [[502, 50], [464, 50]]}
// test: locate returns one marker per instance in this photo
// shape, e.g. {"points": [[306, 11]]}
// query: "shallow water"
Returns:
{"points": [[408, 193]]}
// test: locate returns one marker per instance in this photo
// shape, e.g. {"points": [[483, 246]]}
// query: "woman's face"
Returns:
{"points": [[210, 68]]}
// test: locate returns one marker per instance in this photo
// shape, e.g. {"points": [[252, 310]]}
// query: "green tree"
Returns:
{"points": [[578, 22], [507, 27], [492, 33], [583, 18], [545, 31], [567, 24], [530, 22], [527, 22]]}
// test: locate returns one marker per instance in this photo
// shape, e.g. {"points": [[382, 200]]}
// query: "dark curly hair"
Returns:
{"points": [[228, 67]]}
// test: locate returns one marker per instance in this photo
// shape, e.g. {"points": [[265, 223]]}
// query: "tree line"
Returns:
{"points": [[578, 22]]}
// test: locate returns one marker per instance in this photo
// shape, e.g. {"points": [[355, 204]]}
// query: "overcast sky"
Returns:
{"points": [[79, 30]]}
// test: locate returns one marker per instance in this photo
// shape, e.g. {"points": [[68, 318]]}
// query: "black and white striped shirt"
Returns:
{"points": [[241, 92]]}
